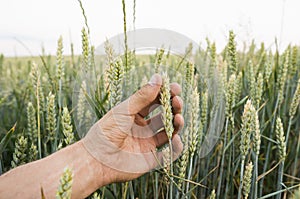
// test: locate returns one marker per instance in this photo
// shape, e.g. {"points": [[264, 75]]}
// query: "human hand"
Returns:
{"points": [[124, 141]]}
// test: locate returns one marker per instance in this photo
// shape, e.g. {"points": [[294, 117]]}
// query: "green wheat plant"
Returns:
{"points": [[255, 154]]}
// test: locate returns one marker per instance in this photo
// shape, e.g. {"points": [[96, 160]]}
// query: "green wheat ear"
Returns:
{"points": [[166, 162], [165, 100], [247, 180], [248, 127], [183, 161], [230, 98], [31, 123], [32, 153], [158, 59], [85, 50], [259, 90], [295, 101], [251, 81], [267, 71], [294, 60], [116, 78], [282, 76], [231, 47], [110, 54], [81, 103], [257, 135], [67, 127], [64, 190], [51, 117], [34, 74], [212, 194], [167, 118], [203, 112], [35, 77], [194, 122], [213, 60], [92, 57], [19, 155], [95, 196], [238, 89], [296, 194], [188, 81], [280, 138], [59, 60]]}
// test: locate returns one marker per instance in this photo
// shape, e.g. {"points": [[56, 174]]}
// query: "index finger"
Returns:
{"points": [[175, 90]]}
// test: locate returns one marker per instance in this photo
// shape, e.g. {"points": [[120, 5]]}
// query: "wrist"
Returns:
{"points": [[104, 174]]}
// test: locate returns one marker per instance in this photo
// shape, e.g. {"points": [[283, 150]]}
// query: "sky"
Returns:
{"points": [[28, 26]]}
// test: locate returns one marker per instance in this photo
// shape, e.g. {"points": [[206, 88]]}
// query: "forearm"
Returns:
{"points": [[26, 181]]}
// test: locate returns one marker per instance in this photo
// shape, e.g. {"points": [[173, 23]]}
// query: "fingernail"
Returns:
{"points": [[155, 80]]}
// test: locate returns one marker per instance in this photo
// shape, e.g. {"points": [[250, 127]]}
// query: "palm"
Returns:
{"points": [[125, 142]]}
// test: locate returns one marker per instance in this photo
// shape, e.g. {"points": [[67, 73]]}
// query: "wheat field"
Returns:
{"points": [[241, 109]]}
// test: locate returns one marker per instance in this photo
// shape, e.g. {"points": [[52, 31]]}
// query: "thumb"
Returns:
{"points": [[146, 95]]}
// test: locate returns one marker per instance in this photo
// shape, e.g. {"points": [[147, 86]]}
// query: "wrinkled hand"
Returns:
{"points": [[126, 142]]}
